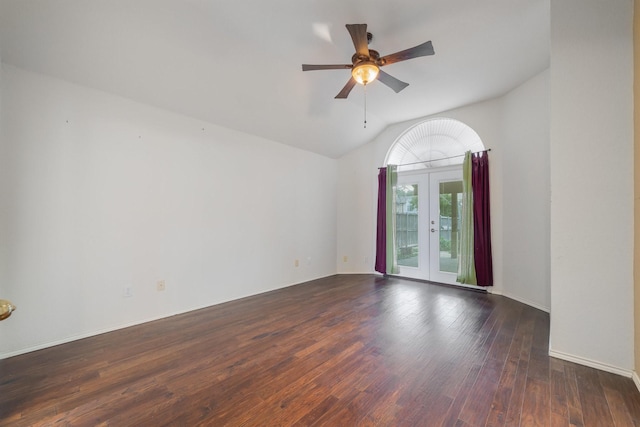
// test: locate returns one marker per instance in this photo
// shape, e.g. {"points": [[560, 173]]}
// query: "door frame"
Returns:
{"points": [[428, 242], [435, 274]]}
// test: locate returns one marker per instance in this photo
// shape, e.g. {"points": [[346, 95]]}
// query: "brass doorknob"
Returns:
{"points": [[6, 308]]}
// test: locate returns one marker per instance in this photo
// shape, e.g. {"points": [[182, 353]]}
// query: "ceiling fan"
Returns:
{"points": [[365, 63]]}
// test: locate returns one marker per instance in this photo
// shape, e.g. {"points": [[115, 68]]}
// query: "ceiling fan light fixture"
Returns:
{"points": [[365, 72]]}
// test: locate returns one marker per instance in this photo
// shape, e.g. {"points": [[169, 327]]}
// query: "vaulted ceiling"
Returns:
{"points": [[238, 64]]}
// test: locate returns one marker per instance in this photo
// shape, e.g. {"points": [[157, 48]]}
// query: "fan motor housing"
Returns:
{"points": [[374, 57]]}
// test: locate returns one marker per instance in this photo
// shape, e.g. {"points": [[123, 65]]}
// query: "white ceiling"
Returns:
{"points": [[238, 64]]}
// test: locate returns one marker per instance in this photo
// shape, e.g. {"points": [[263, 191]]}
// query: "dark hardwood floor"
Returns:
{"points": [[340, 351]]}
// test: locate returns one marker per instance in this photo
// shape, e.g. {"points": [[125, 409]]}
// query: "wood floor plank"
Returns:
{"points": [[558, 394], [526, 328], [574, 406], [315, 413], [343, 350], [625, 388], [617, 407], [464, 394], [505, 393], [535, 409], [595, 408]]}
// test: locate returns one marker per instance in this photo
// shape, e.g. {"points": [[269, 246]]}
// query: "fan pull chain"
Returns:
{"points": [[365, 106]]}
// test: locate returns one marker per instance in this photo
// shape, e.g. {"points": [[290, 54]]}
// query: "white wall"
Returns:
{"points": [[592, 182], [526, 192], [104, 193]]}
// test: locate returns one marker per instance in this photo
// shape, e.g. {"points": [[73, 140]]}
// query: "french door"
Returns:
{"points": [[428, 215]]}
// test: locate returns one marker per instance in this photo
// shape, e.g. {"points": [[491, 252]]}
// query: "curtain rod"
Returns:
{"points": [[443, 158]]}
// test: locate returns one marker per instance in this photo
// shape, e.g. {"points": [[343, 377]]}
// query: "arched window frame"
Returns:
{"points": [[433, 143]]}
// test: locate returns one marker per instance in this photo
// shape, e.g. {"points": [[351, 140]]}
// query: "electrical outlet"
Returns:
{"points": [[160, 285], [296, 263], [127, 292]]}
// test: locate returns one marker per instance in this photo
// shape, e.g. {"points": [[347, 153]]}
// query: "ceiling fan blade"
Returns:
{"points": [[392, 82], [307, 67], [423, 49], [359, 36], [346, 89]]}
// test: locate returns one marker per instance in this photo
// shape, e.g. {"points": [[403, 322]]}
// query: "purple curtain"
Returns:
{"points": [[381, 236], [481, 219]]}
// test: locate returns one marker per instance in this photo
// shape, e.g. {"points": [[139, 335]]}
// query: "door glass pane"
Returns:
{"points": [[407, 225], [450, 216]]}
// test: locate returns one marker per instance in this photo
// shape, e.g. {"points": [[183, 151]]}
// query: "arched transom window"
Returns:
{"points": [[433, 143]]}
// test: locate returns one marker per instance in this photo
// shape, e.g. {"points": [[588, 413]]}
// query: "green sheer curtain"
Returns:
{"points": [[466, 264], [392, 180]]}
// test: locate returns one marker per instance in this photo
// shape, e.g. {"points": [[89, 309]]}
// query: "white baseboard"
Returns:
{"points": [[87, 335], [636, 380], [360, 272], [135, 323], [524, 301], [593, 364]]}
